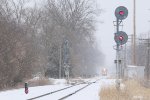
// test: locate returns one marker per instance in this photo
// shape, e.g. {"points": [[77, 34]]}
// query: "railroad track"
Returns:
{"points": [[83, 86]]}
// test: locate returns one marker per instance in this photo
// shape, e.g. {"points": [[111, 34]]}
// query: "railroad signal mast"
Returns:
{"points": [[120, 37], [66, 60]]}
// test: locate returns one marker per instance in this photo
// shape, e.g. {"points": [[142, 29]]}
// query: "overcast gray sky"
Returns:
{"points": [[105, 32]]}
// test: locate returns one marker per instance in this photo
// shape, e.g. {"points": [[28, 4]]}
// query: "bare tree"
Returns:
{"points": [[74, 20]]}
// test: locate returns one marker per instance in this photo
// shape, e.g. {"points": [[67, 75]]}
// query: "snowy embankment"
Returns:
{"points": [[19, 94], [89, 93]]}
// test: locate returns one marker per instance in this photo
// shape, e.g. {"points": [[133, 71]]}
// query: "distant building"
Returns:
{"points": [[135, 72]]}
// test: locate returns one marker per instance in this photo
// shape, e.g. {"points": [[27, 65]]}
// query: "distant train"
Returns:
{"points": [[104, 72]]}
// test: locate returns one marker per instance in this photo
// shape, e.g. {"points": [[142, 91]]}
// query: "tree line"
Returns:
{"points": [[32, 37]]}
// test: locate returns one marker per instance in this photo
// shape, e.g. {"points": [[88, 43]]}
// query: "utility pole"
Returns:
{"points": [[147, 65], [60, 60], [134, 32]]}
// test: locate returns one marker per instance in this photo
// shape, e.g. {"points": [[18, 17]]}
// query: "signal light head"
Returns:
{"points": [[121, 13], [120, 38]]}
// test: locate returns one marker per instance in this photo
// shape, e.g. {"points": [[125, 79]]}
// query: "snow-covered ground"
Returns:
{"points": [[89, 93]]}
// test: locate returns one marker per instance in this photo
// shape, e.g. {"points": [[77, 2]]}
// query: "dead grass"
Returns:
{"points": [[132, 91], [111, 93]]}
